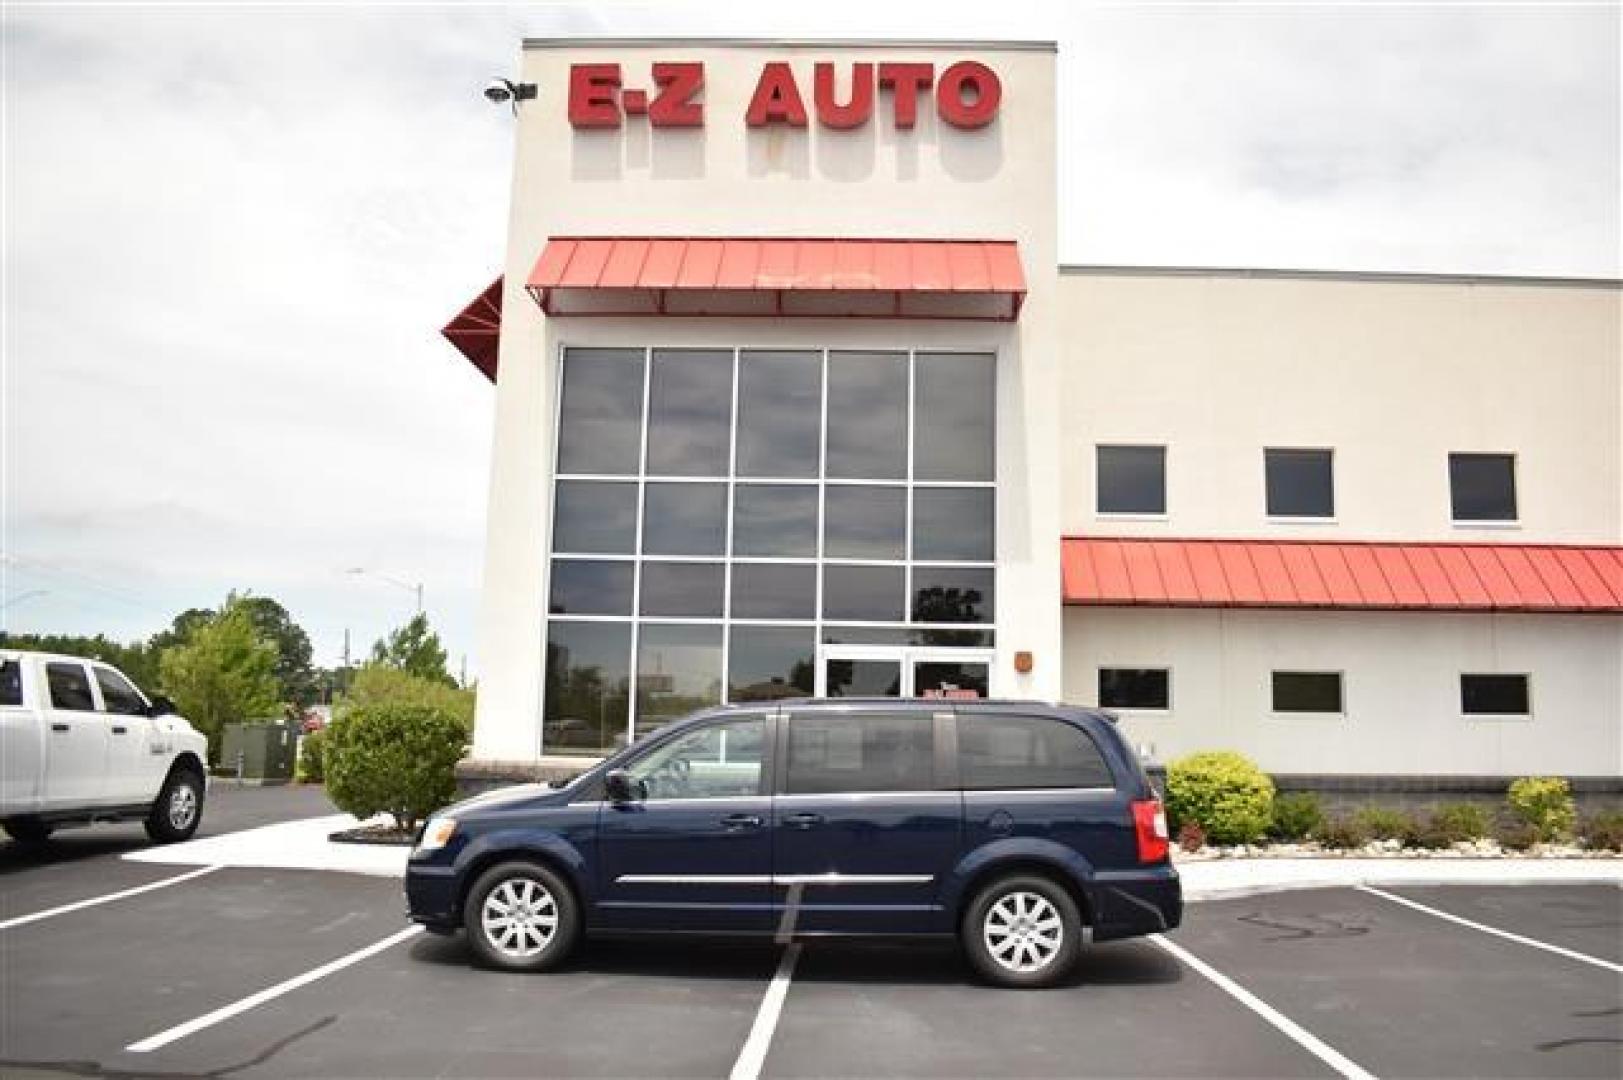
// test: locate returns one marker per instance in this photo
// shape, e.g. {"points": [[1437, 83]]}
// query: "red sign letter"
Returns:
{"points": [[968, 95], [853, 113], [591, 95], [777, 99], [906, 80], [674, 106]]}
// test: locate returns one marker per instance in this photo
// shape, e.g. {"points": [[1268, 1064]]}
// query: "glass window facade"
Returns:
{"points": [[718, 512]]}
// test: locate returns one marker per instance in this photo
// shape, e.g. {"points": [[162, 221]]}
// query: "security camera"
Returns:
{"points": [[499, 92]]}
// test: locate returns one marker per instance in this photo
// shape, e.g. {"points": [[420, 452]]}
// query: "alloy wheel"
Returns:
{"points": [[1023, 932], [519, 917]]}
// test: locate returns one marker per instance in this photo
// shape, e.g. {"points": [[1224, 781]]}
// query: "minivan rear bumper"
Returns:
{"points": [[1129, 903]]}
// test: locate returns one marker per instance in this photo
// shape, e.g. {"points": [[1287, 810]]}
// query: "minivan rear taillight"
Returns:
{"points": [[1150, 825]]}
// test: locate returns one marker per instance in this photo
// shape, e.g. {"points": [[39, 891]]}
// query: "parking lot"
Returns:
{"points": [[232, 972]]}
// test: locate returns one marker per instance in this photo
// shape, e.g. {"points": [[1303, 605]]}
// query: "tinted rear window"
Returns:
{"points": [[838, 752], [1012, 752], [70, 687], [11, 683]]}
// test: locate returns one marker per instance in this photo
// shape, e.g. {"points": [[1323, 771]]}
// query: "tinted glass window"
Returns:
{"points": [[1307, 691], [690, 403], [864, 522], [70, 687], [867, 415], [1494, 695], [955, 399], [766, 663], [715, 762], [780, 405], [864, 678], [590, 587], [951, 594], [685, 519], [999, 753], [11, 683], [956, 679], [896, 635], [860, 752], [1132, 479], [600, 417], [953, 523], [118, 695], [681, 589], [1300, 483], [678, 671], [588, 687], [774, 591], [863, 593], [1135, 688], [775, 521], [1483, 486], [597, 518]]}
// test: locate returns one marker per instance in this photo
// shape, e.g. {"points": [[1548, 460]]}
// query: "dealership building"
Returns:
{"points": [[793, 396]]}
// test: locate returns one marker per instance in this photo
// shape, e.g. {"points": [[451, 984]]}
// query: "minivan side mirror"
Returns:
{"points": [[621, 787], [161, 706]]}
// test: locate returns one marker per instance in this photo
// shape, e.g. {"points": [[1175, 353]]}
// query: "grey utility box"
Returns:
{"points": [[265, 750]]}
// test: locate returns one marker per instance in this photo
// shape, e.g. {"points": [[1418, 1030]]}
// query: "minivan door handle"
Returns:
{"points": [[736, 822], [802, 820]]}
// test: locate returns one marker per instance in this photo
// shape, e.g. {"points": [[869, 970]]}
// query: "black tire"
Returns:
{"points": [[178, 810], [533, 944], [29, 832], [1027, 906]]}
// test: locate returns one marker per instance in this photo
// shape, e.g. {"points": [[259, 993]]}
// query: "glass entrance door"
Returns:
{"points": [[902, 671]]}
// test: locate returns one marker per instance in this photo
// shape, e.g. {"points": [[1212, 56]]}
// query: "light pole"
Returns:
{"points": [[415, 589]]}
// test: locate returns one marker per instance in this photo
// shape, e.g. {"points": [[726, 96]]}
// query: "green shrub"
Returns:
{"points": [[1545, 803], [376, 683], [1297, 816], [1382, 823], [1517, 836], [1222, 792], [394, 757], [1343, 835], [309, 769], [1603, 831], [1432, 837], [1459, 822]]}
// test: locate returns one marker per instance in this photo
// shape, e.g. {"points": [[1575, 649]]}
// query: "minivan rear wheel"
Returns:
{"points": [[1022, 931], [521, 917]]}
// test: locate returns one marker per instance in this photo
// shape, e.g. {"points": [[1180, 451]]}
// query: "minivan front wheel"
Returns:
{"points": [[1022, 932], [521, 917]]}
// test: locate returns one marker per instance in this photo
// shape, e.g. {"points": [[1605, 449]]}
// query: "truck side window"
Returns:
{"points": [[119, 696], [70, 687], [11, 683]]}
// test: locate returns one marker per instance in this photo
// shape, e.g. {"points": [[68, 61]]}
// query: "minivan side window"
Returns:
{"points": [[716, 761], [11, 683], [831, 752], [70, 687], [1001, 753], [118, 695]]}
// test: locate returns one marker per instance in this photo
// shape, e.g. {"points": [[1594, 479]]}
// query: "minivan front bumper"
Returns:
{"points": [[1130, 903], [431, 894]]}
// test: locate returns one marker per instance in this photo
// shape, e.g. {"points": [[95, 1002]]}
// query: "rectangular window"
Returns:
{"points": [[589, 517], [780, 405], [588, 686], [118, 695], [1003, 753], [1307, 692], [774, 591], [864, 522], [867, 415], [690, 407], [70, 687], [1301, 483], [954, 416], [775, 521], [11, 683], [681, 588], [590, 587], [684, 519], [1494, 695], [1482, 487], [768, 663], [678, 671], [1131, 479], [952, 524], [832, 753], [600, 416], [1135, 688]]}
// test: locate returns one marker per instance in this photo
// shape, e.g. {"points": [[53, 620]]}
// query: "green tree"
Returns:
{"points": [[376, 684], [224, 673], [181, 629], [138, 660], [294, 673], [415, 649]]}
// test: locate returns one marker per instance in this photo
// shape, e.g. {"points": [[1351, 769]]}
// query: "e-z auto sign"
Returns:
{"points": [[965, 94]]}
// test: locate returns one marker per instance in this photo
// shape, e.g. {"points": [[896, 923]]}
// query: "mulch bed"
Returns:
{"points": [[385, 835]]}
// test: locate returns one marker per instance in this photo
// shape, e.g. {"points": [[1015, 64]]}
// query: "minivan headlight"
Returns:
{"points": [[437, 834]]}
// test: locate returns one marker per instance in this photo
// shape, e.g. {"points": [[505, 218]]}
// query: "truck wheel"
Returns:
{"points": [[521, 917], [28, 832], [1022, 932], [179, 809]]}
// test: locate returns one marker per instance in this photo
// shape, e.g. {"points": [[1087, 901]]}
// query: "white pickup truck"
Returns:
{"points": [[79, 744]]}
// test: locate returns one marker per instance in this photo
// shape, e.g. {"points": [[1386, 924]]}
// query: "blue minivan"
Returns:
{"points": [[1022, 829]]}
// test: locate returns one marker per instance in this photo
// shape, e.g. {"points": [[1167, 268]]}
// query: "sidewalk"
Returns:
{"points": [[292, 845]]}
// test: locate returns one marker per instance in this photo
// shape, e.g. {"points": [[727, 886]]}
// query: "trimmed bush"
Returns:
{"points": [[1603, 831], [1459, 822], [1545, 803], [1517, 836], [1222, 792], [1382, 823], [1343, 835], [1191, 837], [309, 769], [394, 757], [1297, 816]]}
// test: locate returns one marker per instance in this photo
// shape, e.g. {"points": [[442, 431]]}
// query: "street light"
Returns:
{"points": [[416, 589]]}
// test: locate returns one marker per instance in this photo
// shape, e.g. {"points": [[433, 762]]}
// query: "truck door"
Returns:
{"points": [[137, 753], [20, 748], [75, 738]]}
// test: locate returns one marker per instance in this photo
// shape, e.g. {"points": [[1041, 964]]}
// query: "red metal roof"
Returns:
{"points": [[476, 330], [1319, 574], [946, 279]]}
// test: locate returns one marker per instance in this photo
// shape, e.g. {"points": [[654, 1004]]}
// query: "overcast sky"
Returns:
{"points": [[232, 233]]}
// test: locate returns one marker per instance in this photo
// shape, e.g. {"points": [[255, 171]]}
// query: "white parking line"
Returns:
{"points": [[1300, 1035], [1583, 958], [753, 1056], [191, 1027], [23, 920]]}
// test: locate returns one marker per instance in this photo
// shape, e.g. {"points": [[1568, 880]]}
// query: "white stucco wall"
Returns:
{"points": [[1400, 686]]}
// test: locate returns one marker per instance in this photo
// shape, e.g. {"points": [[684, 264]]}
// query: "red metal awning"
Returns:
{"points": [[1343, 576], [897, 279], [476, 331]]}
